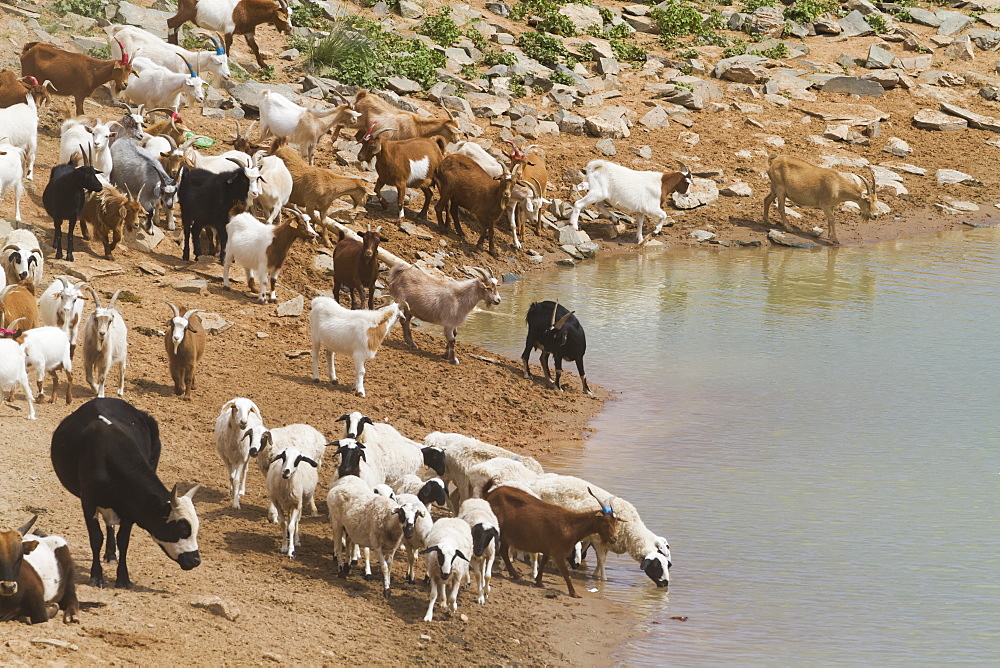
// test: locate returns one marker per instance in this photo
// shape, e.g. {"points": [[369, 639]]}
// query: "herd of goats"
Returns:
{"points": [[257, 200]]}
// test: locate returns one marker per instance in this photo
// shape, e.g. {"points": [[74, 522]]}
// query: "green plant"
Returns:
{"points": [[750, 6], [546, 49], [620, 31], [469, 72], [902, 15], [102, 52], [688, 54], [684, 85], [714, 21], [677, 18], [806, 11], [265, 73], [91, 8], [562, 78], [496, 57], [878, 23], [517, 88], [738, 48], [776, 52], [557, 24], [628, 51], [607, 16], [298, 42], [306, 14], [440, 27], [477, 38]]}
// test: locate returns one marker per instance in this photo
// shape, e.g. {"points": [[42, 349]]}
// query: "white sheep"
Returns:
{"points": [[449, 547], [485, 539], [494, 472], [289, 486], [429, 491], [19, 125], [157, 86], [358, 333], [12, 175], [269, 442], [276, 185], [261, 250], [233, 441], [367, 520], [14, 373], [389, 453], [105, 344], [61, 305], [22, 257], [46, 352], [422, 523], [78, 140]]}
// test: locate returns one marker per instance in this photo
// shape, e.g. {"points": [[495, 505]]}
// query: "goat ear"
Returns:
{"points": [[28, 546], [192, 328]]}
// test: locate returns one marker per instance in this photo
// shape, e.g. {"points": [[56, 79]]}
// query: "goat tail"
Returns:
{"points": [[441, 142]]}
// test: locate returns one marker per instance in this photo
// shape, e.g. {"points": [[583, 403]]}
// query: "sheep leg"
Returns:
{"points": [[293, 530], [283, 524], [411, 565], [272, 513], [331, 370], [311, 500], [368, 564], [359, 373], [453, 599], [386, 563], [429, 615], [488, 573], [171, 225], [601, 551], [449, 353], [234, 486], [243, 477]]}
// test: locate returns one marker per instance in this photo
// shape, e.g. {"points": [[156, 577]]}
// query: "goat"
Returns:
{"points": [[36, 577], [403, 163], [641, 193], [13, 89], [449, 544], [355, 266], [373, 109], [315, 189], [158, 86], [105, 453], [261, 250], [242, 142], [206, 200], [479, 155], [105, 343], [231, 18], [111, 213], [128, 126], [22, 257], [185, 342], [12, 161], [73, 74], [535, 177], [463, 184], [234, 439], [63, 199], [356, 333], [17, 303], [530, 524], [94, 140], [444, 302], [816, 187], [561, 336], [139, 173], [162, 53], [173, 126], [46, 352], [13, 372], [20, 129], [61, 305], [289, 487], [281, 117], [275, 186]]}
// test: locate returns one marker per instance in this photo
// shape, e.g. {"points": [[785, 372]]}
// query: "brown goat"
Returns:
{"points": [[463, 183], [185, 342], [403, 163], [527, 523], [404, 124], [245, 17], [242, 142], [73, 74], [535, 175], [110, 212], [17, 302], [172, 127], [355, 266], [13, 90]]}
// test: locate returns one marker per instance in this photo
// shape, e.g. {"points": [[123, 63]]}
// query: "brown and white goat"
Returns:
{"points": [[304, 127], [261, 249], [403, 163], [355, 266], [185, 342], [173, 126], [535, 177], [74, 75], [110, 213], [462, 183], [816, 187], [227, 19], [13, 90], [529, 524], [36, 577], [404, 124], [315, 189], [17, 302]]}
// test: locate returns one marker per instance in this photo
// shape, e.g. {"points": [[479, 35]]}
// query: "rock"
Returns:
{"points": [[989, 93], [887, 79], [487, 106], [862, 6], [655, 118], [86, 269], [837, 132], [291, 308], [643, 24], [701, 192], [767, 21], [644, 152], [588, 249], [975, 120], [956, 208], [607, 66], [55, 642], [566, 262], [897, 147], [142, 241], [502, 10], [737, 189], [953, 23], [215, 324], [603, 128], [250, 93], [289, 54], [606, 147], [582, 16], [151, 20], [152, 269], [572, 124], [928, 119], [567, 235], [853, 86], [951, 176], [780, 238], [403, 86], [986, 40], [746, 69], [701, 235], [941, 78], [572, 251], [879, 58], [905, 167], [192, 285], [855, 25], [924, 17], [991, 19], [410, 10], [689, 138], [960, 49]]}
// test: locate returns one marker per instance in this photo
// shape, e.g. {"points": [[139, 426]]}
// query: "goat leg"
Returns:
{"points": [[407, 335], [544, 559], [505, 553], [583, 377], [252, 43], [564, 570], [558, 359], [544, 360], [57, 238], [524, 358], [427, 201], [831, 223]]}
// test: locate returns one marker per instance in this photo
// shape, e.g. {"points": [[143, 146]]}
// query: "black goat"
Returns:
{"points": [[555, 331], [207, 198], [63, 199]]}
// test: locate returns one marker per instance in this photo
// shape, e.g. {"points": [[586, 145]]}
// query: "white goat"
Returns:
{"points": [[22, 256], [276, 185], [489, 164], [233, 439], [261, 249], [14, 373], [485, 540], [95, 140], [217, 163], [449, 547], [281, 117], [162, 53], [19, 125], [632, 191], [289, 486], [105, 343], [358, 333], [157, 86], [12, 174], [46, 352], [61, 305]]}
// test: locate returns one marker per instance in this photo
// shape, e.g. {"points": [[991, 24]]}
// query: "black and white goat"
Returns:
{"points": [[207, 199], [555, 331]]}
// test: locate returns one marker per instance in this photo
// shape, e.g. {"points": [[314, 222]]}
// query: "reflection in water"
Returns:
{"points": [[814, 432]]}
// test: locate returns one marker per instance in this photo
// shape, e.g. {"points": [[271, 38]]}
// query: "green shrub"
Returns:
{"points": [[497, 57], [469, 72], [688, 54], [102, 52], [91, 8], [557, 24], [677, 19], [552, 21], [307, 14], [546, 49], [806, 11], [776, 52], [563, 78], [265, 73], [750, 6], [517, 88], [878, 23], [440, 27], [628, 51], [478, 39]]}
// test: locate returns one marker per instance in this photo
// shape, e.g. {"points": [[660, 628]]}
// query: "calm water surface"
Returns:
{"points": [[814, 432]]}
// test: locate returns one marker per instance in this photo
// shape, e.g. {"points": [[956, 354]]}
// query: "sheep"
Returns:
{"points": [[94, 139], [105, 343], [367, 520], [444, 302], [355, 266], [354, 461], [390, 453], [261, 250], [356, 333], [132, 38], [485, 534], [73, 74], [185, 343], [155, 85], [422, 524], [20, 128], [433, 490], [61, 305], [17, 304], [289, 485], [46, 352], [402, 164], [494, 471], [231, 18], [563, 338], [22, 257], [111, 213], [63, 199], [12, 160], [641, 193], [528, 523], [12, 370], [275, 187], [816, 187], [232, 441], [266, 443], [449, 544], [304, 127], [463, 184], [652, 552]]}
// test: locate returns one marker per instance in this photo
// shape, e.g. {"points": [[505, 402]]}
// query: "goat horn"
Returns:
{"points": [[562, 320], [190, 69], [447, 111], [238, 162], [177, 313], [530, 147], [191, 312], [554, 309], [11, 327], [97, 299], [250, 130], [684, 168], [114, 298], [83, 154], [121, 46], [27, 527], [163, 109], [605, 505], [62, 279], [341, 96], [170, 140], [239, 134]]}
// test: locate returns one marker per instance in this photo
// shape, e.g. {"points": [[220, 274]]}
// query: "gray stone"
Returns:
{"points": [[414, 230], [290, 54], [566, 262], [745, 69], [501, 9], [250, 93], [987, 40], [567, 235], [862, 6], [897, 147], [142, 241], [887, 79], [952, 176], [572, 124], [151, 20], [941, 78], [853, 86], [643, 24], [837, 132], [879, 58], [291, 308], [916, 63], [572, 251], [700, 193], [606, 147], [928, 119], [588, 249], [607, 66], [214, 604], [152, 269], [86, 270], [701, 235], [458, 105], [657, 117], [487, 106], [826, 26], [410, 10], [737, 20], [403, 86], [991, 19], [924, 17], [603, 128], [737, 189], [780, 238], [855, 25], [960, 49], [460, 56], [975, 120], [989, 93], [197, 286], [767, 21], [444, 89], [953, 23], [643, 151], [214, 324], [582, 16]]}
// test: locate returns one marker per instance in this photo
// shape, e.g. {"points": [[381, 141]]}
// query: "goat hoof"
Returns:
{"points": [[368, 577], [387, 593]]}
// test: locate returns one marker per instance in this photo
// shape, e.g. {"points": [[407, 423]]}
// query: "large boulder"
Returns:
{"points": [[250, 93], [152, 20], [855, 25], [487, 106], [746, 69], [605, 128], [853, 86]]}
